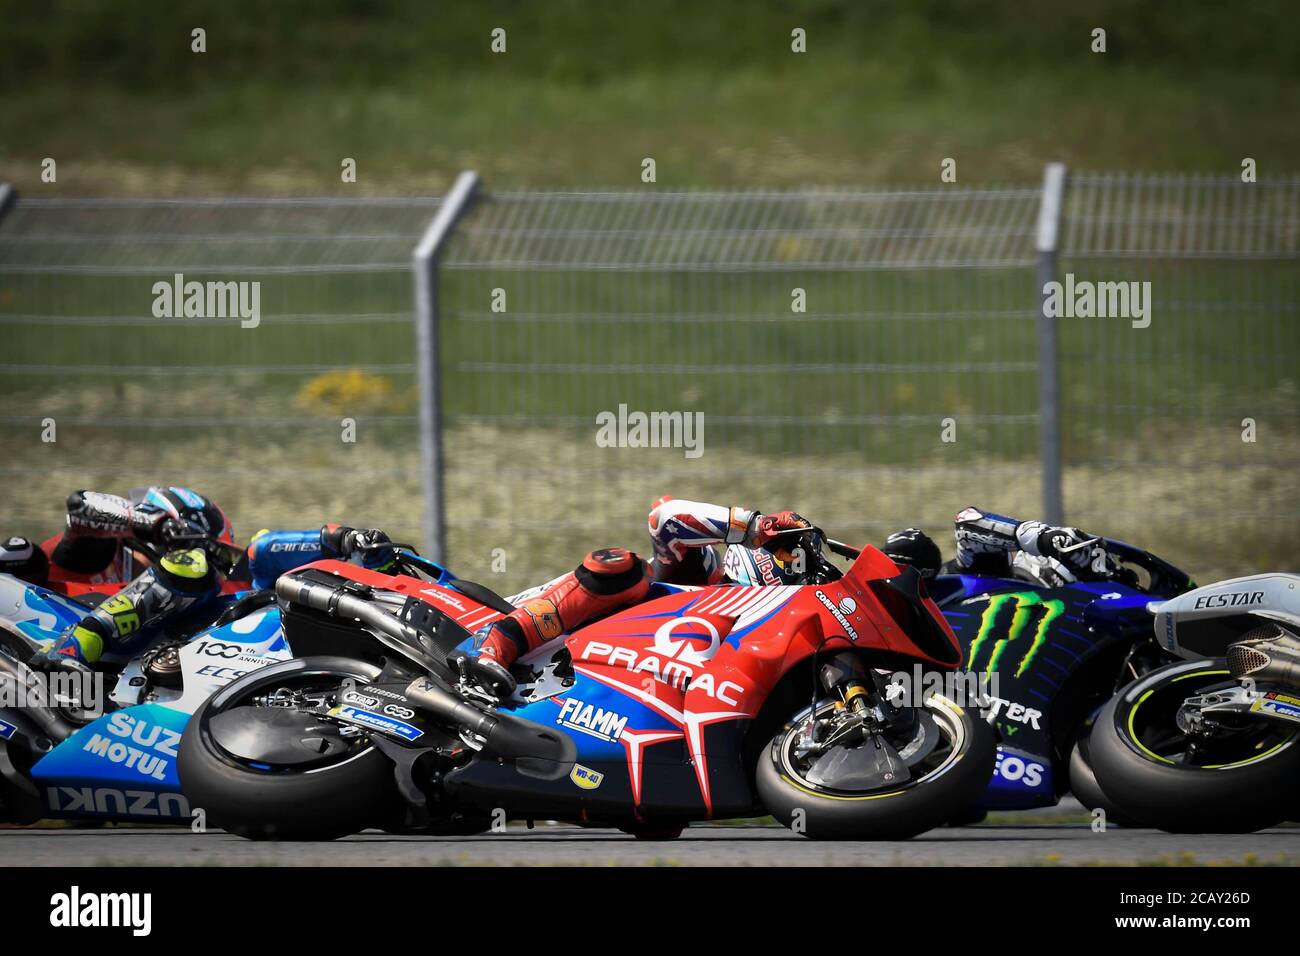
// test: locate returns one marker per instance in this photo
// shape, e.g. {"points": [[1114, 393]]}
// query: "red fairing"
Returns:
{"points": [[873, 565], [111, 579], [707, 655], [74, 584], [680, 650], [464, 610]]}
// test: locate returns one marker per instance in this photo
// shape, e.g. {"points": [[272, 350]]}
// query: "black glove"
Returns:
{"points": [[342, 542]]}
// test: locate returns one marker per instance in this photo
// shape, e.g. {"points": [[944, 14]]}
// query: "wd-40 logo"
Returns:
{"points": [[1023, 606]]}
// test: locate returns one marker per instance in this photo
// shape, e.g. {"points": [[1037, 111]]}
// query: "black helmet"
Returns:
{"points": [[24, 560], [914, 547]]}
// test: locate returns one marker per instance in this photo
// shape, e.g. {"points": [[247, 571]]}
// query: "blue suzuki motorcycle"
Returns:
{"points": [[108, 751]]}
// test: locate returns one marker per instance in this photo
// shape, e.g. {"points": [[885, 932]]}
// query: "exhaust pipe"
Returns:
{"points": [[55, 726], [538, 751], [1269, 654], [445, 705]]}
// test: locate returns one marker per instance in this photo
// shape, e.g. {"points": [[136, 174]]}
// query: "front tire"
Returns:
{"points": [[284, 803], [1084, 786], [1238, 783], [938, 794]]}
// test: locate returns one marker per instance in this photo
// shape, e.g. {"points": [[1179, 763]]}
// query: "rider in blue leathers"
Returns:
{"points": [[196, 550]]}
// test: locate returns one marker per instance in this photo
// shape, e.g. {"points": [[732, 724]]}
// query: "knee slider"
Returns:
{"points": [[612, 571]]}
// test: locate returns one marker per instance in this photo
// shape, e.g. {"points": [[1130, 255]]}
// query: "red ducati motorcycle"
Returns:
{"points": [[695, 704]]}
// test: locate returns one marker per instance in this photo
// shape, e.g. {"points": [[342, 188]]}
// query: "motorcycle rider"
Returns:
{"points": [[683, 535], [195, 545], [996, 545]]}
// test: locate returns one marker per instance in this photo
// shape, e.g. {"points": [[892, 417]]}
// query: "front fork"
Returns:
{"points": [[861, 704]]}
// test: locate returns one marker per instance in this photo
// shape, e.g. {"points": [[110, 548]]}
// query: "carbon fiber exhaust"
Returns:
{"points": [[443, 704], [1269, 654], [537, 751]]}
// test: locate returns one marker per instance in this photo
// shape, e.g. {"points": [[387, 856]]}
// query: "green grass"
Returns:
{"points": [[585, 91], [850, 409]]}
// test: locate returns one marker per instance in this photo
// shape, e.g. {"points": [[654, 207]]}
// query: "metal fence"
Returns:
{"points": [[824, 337], [870, 358], [252, 416], [1187, 432]]}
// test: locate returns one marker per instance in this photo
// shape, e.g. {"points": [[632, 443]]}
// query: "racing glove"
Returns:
{"points": [[1070, 546], [768, 528], [94, 514], [340, 541]]}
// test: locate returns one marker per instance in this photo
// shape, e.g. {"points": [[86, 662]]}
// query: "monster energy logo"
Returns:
{"points": [[1026, 604]]}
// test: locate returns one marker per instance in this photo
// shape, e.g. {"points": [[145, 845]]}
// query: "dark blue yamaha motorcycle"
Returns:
{"points": [[1053, 655]]}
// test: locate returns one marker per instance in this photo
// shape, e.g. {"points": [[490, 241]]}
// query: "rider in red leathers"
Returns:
{"points": [[683, 535]]}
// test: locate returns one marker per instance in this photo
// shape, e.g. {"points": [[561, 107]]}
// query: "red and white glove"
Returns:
{"points": [[769, 528]]}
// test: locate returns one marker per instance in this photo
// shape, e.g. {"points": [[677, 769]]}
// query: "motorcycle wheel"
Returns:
{"points": [[1238, 781], [1083, 784], [947, 781], [323, 800]]}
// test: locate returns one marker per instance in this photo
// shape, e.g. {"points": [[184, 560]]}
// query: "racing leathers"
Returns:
{"points": [[682, 535], [178, 591], [987, 543]]}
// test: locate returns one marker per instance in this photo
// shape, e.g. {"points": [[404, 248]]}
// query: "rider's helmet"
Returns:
{"points": [[790, 561], [756, 566], [24, 560], [198, 512], [190, 514], [914, 547]]}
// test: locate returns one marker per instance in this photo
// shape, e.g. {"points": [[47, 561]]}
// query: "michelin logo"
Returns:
{"points": [[401, 728]]}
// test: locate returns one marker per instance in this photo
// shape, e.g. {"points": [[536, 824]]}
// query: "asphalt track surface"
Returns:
{"points": [[555, 845]]}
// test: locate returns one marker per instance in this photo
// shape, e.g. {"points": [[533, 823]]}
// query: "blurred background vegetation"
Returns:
{"points": [[712, 91], [411, 90]]}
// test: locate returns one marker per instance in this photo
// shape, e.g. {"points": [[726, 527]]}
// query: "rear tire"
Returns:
{"points": [[888, 814], [320, 804], [1254, 791]]}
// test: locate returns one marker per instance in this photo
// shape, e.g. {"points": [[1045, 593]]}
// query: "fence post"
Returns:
{"points": [[7, 196], [425, 268], [1049, 364]]}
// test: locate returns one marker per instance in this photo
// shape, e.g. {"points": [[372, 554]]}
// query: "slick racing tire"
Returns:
{"points": [[1083, 784], [261, 802], [944, 785], [1235, 782]]}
